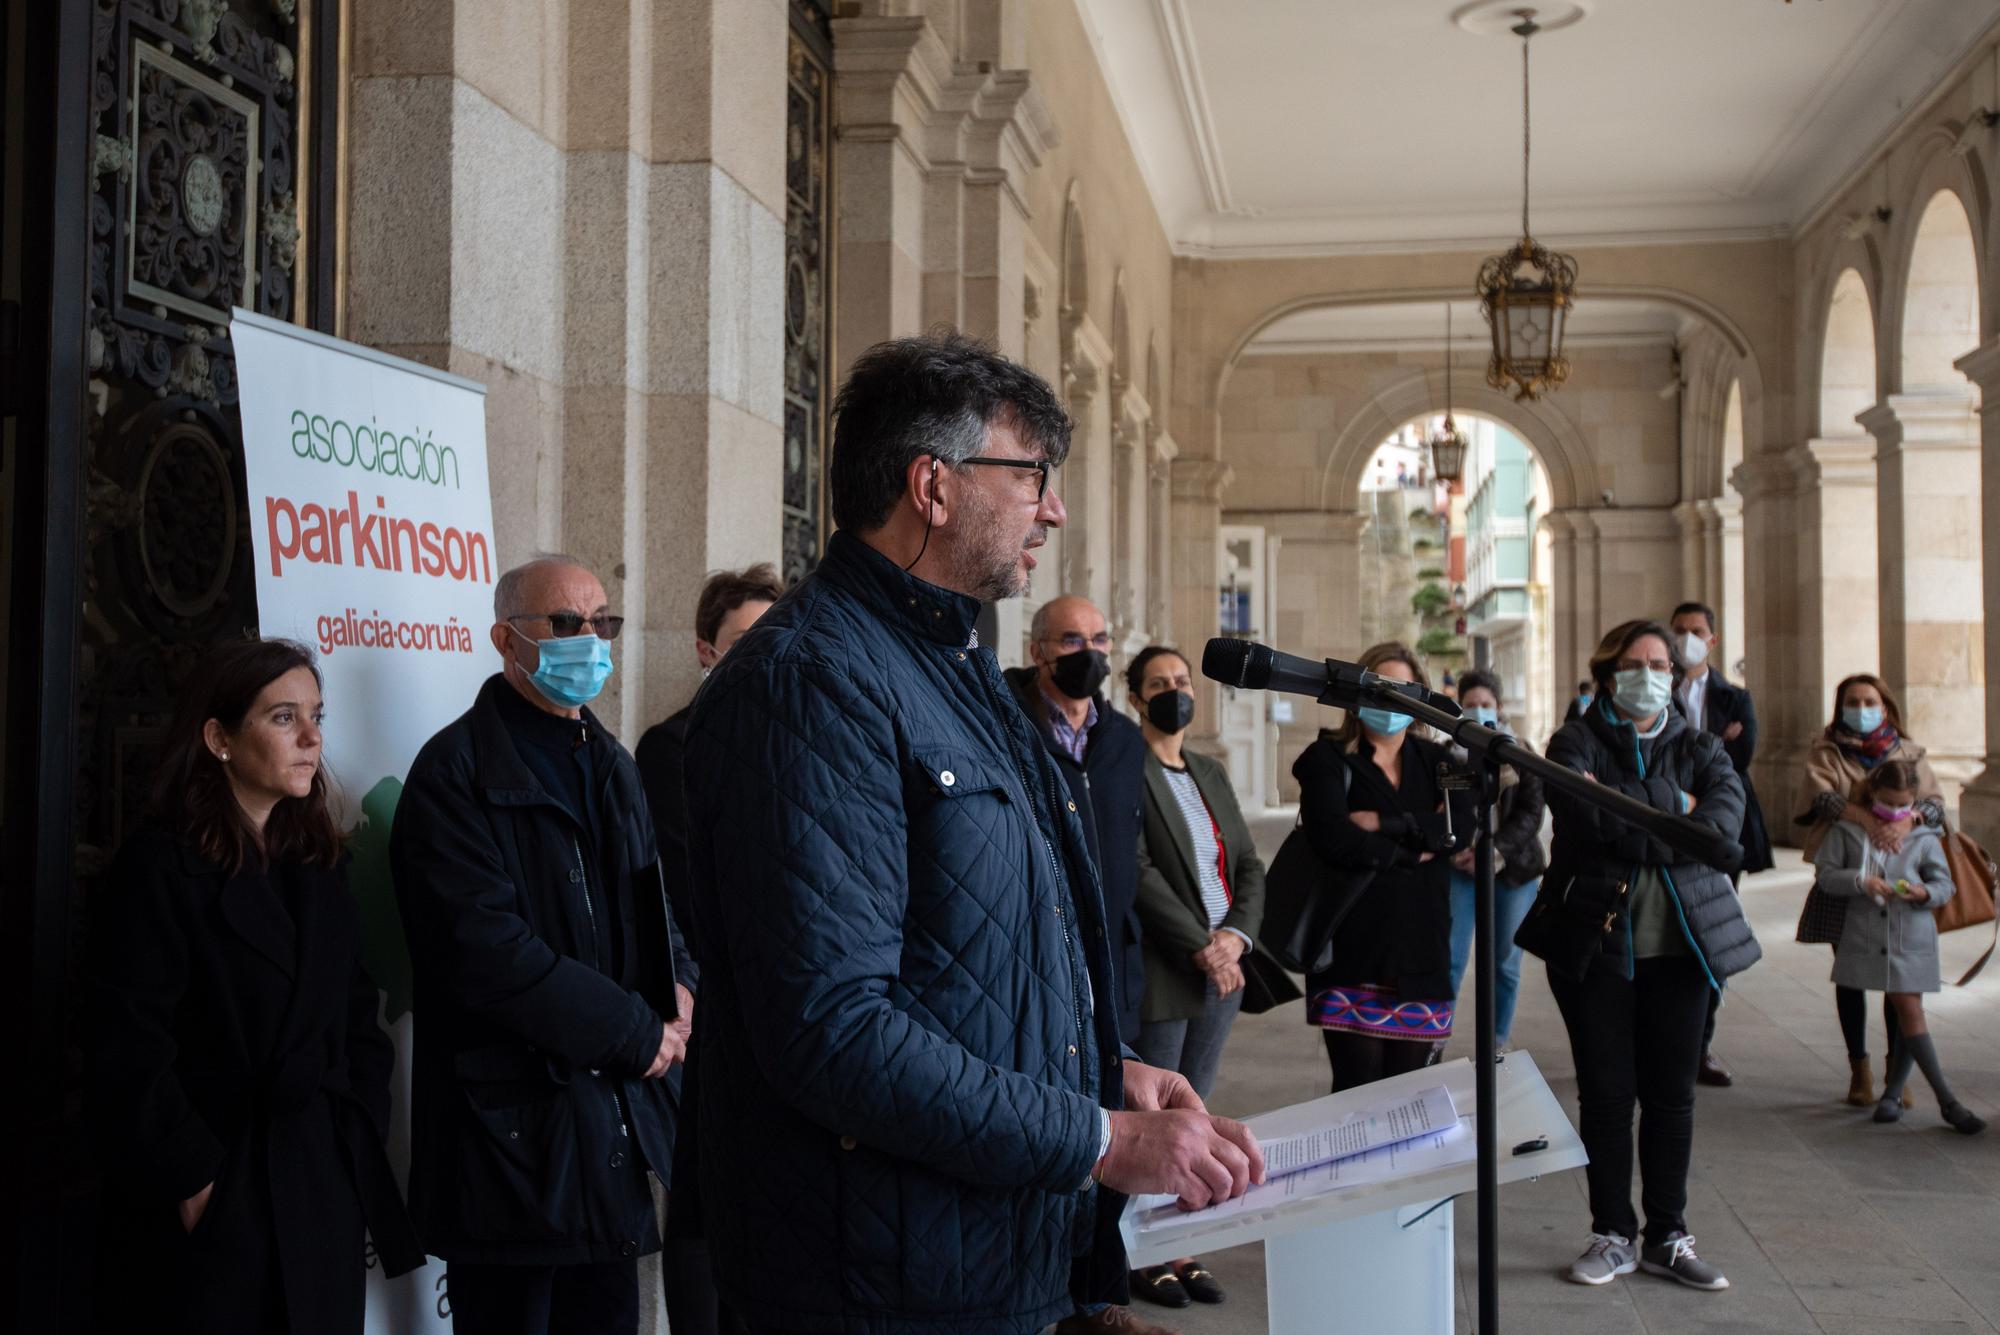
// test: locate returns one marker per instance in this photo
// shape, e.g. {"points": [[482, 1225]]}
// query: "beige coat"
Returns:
{"points": [[1831, 770]]}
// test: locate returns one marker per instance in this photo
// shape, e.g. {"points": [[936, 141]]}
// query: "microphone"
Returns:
{"points": [[1258, 667]]}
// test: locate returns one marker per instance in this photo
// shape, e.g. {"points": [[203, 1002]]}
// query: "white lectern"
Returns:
{"points": [[1376, 1255]]}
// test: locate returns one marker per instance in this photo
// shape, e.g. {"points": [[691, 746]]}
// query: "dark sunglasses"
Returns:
{"points": [[1041, 467], [566, 624]]}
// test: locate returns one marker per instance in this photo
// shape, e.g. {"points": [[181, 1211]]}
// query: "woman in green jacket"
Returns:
{"points": [[1201, 901]]}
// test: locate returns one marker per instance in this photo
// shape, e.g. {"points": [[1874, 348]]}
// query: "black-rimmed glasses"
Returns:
{"points": [[566, 624], [1041, 467]]}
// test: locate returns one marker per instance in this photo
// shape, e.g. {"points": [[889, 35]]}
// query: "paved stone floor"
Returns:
{"points": [[1823, 1221]]}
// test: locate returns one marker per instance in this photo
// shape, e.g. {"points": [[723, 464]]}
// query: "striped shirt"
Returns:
{"points": [[1208, 850]]}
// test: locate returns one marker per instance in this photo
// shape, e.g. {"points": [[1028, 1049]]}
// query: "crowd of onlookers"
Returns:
{"points": [[898, 972]]}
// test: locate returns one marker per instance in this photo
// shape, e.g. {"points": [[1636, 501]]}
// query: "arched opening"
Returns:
{"points": [[1838, 574], [1847, 358], [1450, 568], [1940, 297], [1929, 507]]}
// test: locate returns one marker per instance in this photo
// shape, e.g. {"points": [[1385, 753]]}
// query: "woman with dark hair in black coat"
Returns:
{"points": [[1371, 801], [1636, 937], [239, 1081]]}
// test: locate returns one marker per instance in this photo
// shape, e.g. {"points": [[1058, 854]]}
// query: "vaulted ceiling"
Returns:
{"points": [[1281, 127]]}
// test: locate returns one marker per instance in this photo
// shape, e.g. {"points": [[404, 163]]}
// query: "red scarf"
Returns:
{"points": [[1869, 750]]}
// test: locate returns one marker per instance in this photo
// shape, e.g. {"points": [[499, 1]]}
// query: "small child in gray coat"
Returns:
{"points": [[1890, 940]]}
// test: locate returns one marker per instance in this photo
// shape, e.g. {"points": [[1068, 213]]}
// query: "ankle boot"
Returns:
{"points": [[1860, 1083]]}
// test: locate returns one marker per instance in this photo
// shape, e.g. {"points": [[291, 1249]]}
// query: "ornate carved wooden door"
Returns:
{"points": [[808, 282], [199, 168]]}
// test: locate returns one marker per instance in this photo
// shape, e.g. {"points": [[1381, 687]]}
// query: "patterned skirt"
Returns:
{"points": [[1378, 1012]]}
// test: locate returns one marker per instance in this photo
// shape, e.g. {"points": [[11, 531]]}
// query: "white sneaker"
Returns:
{"points": [[1606, 1258]]}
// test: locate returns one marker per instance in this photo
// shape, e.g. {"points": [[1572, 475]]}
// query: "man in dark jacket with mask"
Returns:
{"points": [[548, 1016], [915, 1116], [1102, 755]]}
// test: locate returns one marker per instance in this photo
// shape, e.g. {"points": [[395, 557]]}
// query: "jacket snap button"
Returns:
{"points": [[628, 1249], [574, 876], [1072, 1049], [1059, 910], [947, 778], [513, 1135], [1072, 806], [847, 1142], [617, 1159], [961, 658]]}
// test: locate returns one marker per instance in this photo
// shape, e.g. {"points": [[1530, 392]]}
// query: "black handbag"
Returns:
{"points": [[1266, 985], [1569, 923], [1305, 901]]}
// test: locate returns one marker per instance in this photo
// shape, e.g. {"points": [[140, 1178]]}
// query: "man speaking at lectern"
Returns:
{"points": [[915, 1107]]}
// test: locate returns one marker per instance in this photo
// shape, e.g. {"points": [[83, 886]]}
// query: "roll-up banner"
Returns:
{"points": [[372, 528]]}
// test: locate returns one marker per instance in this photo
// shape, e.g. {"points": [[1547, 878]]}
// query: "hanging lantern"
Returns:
{"points": [[1447, 443], [1526, 293]]}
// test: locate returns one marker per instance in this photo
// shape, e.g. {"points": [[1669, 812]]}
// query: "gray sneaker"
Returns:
{"points": [[1606, 1258], [1675, 1259]]}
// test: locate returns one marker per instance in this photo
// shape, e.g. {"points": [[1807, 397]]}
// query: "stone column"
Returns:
{"points": [[1781, 614], [886, 71], [1573, 597], [1729, 590], [1198, 485], [1928, 517], [1159, 529], [1979, 806]]}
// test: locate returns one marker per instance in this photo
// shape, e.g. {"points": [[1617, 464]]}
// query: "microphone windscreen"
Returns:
{"points": [[1237, 663]]}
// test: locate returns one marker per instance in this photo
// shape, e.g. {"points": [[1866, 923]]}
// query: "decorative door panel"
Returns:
{"points": [[194, 209], [808, 285]]}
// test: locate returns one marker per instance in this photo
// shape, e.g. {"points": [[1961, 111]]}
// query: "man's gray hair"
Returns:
{"points": [[507, 591]]}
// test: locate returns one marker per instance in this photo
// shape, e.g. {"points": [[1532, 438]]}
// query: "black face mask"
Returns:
{"points": [[1078, 675], [1170, 711]]}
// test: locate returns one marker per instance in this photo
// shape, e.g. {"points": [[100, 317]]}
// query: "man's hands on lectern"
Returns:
{"points": [[1197, 1156]]}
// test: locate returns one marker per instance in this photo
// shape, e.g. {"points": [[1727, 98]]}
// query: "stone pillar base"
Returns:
{"points": [[1979, 805]]}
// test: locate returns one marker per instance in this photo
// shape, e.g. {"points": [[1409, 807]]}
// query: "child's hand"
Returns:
{"points": [[1877, 887], [1914, 892]]}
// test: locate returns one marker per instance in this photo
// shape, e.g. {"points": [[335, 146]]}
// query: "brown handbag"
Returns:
{"points": [[1973, 878]]}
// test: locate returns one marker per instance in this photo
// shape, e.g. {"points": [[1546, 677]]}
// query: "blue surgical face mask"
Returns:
{"points": [[1383, 722], [1583, 701], [1863, 721], [1484, 714], [573, 669], [1642, 692]]}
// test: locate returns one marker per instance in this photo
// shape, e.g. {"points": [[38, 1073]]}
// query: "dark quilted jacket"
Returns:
{"points": [[898, 1059], [1656, 771]]}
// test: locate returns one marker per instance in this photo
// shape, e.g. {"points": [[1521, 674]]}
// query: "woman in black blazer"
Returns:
{"points": [[239, 1081], [1370, 800]]}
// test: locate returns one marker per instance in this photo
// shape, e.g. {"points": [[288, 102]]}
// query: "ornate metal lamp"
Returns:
{"points": [[1447, 443], [1526, 293]]}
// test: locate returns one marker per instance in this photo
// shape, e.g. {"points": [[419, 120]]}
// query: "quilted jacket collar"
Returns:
{"points": [[922, 608]]}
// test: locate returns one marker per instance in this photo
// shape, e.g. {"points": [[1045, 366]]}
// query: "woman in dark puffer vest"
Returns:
{"points": [[1636, 1012]]}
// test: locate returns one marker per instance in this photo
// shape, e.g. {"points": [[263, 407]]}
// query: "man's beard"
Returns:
{"points": [[986, 563]]}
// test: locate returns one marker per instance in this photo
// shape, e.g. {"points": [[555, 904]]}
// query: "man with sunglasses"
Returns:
{"points": [[552, 993], [916, 1112]]}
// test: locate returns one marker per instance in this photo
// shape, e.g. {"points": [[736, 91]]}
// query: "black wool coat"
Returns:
{"points": [[233, 1041], [1729, 703], [1110, 792], [544, 957]]}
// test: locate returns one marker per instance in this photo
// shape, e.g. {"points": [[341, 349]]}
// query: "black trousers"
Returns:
{"points": [[1637, 1041], [599, 1299], [1358, 1060]]}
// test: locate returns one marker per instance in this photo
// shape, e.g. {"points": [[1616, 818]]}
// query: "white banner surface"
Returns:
{"points": [[372, 527]]}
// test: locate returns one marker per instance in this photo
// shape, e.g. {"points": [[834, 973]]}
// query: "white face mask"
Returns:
{"points": [[1694, 649], [1642, 692]]}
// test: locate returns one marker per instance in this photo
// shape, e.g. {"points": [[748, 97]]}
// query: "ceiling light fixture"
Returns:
{"points": [[1526, 293], [1447, 443]]}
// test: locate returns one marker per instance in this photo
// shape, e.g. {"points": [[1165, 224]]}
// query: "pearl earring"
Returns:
{"points": [[225, 757]]}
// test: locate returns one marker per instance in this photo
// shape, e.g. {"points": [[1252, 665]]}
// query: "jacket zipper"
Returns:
{"points": [[1673, 893], [1055, 869], [590, 914]]}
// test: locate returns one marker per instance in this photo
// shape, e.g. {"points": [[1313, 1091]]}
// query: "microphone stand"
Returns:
{"points": [[1493, 749]]}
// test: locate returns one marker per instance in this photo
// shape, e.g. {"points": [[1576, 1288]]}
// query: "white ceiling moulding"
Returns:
{"points": [[1287, 128]]}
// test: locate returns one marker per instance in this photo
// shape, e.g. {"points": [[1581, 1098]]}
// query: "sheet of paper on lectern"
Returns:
{"points": [[1396, 1138]]}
